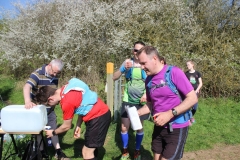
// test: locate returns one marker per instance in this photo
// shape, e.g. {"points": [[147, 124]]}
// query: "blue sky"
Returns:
{"points": [[6, 4]]}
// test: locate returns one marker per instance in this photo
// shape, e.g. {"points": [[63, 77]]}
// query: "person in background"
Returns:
{"points": [[195, 79], [169, 133], [45, 76], [134, 95], [76, 98]]}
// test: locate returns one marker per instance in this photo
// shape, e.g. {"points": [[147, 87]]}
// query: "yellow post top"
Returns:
{"points": [[109, 67]]}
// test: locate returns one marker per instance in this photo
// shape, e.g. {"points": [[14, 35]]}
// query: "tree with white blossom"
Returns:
{"points": [[87, 34]]}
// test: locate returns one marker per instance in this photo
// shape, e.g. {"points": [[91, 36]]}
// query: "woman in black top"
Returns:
{"points": [[195, 79]]}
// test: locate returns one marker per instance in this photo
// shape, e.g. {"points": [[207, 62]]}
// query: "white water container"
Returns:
{"points": [[134, 118], [16, 118]]}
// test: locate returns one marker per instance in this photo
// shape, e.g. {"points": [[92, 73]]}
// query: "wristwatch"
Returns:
{"points": [[53, 133], [174, 112]]}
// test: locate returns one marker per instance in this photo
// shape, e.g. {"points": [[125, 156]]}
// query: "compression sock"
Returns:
{"points": [[125, 139], [139, 138]]}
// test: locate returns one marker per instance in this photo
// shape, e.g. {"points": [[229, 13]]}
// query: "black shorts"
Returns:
{"points": [[96, 130], [138, 106], [169, 144]]}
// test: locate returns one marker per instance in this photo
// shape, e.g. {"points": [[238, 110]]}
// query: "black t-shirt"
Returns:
{"points": [[193, 78]]}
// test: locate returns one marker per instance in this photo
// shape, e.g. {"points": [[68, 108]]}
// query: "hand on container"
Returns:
{"points": [[161, 118], [29, 105], [49, 133], [77, 132]]}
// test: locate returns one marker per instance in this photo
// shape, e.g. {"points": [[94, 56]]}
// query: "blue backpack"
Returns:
{"points": [[182, 118]]}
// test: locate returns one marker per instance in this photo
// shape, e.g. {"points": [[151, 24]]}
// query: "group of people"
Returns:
{"points": [[75, 98], [146, 88]]}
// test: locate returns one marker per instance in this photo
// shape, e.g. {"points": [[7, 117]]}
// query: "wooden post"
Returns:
{"points": [[110, 86]]}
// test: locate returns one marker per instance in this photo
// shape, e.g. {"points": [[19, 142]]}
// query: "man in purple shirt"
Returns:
{"points": [[166, 106]]}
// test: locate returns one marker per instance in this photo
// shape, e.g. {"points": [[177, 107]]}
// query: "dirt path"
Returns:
{"points": [[225, 152]]}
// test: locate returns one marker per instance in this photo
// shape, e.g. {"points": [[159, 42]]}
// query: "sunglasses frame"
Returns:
{"points": [[135, 50]]}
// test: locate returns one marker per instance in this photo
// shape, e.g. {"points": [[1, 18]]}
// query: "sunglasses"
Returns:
{"points": [[135, 50]]}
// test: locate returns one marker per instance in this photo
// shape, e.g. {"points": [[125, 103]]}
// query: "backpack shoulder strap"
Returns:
{"points": [[144, 75], [149, 85], [128, 74], [184, 116], [168, 80]]}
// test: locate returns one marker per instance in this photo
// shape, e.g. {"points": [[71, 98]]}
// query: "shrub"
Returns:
{"points": [[88, 34]]}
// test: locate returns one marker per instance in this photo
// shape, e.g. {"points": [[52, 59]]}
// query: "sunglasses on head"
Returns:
{"points": [[135, 50]]}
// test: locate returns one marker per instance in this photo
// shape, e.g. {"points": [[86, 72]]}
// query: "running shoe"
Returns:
{"points": [[44, 155], [137, 155], [61, 156], [125, 154]]}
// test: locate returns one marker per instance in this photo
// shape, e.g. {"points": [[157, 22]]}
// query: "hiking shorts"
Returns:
{"points": [[138, 106], [96, 130], [169, 144]]}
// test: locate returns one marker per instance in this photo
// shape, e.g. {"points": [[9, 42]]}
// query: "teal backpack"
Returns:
{"points": [[182, 118]]}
